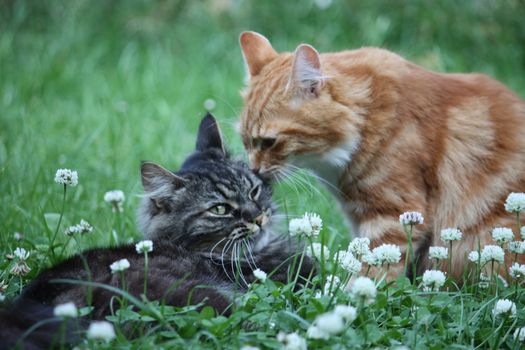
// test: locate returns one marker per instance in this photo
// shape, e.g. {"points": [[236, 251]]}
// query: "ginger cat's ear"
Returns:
{"points": [[306, 70], [257, 51]]}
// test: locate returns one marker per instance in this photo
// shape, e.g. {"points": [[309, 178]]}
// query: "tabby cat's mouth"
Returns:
{"points": [[248, 230]]}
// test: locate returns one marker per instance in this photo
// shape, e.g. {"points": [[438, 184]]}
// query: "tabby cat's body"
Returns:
{"points": [[209, 227], [389, 137]]}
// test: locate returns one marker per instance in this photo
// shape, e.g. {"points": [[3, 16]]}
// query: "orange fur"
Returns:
{"points": [[397, 138]]}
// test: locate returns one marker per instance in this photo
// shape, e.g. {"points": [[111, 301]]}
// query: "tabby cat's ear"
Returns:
{"points": [[306, 70], [209, 135], [257, 51], [154, 178]]}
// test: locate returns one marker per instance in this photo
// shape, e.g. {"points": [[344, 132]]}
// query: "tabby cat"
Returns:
{"points": [[209, 226], [388, 136]]}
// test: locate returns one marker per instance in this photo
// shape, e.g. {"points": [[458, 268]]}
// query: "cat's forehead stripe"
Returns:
{"points": [[225, 190], [264, 96]]}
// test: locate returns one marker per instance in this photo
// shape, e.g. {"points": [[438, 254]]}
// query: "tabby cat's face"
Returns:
{"points": [[210, 202], [291, 110]]}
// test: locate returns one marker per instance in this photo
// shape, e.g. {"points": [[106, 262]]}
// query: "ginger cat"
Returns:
{"points": [[389, 137]]}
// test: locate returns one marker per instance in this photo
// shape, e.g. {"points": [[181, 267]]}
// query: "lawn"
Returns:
{"points": [[99, 86]]}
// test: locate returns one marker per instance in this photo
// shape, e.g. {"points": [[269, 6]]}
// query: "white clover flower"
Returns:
{"points": [[411, 218], [502, 235], [314, 332], [331, 284], [438, 253], [504, 307], [347, 312], [349, 262], [209, 104], [249, 347], [2, 297], [314, 251], [101, 330], [298, 227], [71, 230], [145, 246], [18, 236], [116, 198], [309, 225], [387, 254], [474, 256], [330, 323], [292, 341], [451, 234], [315, 222], [66, 177], [119, 265], [515, 202], [323, 4], [81, 228], [371, 259], [85, 226], [364, 287], [433, 279], [484, 281], [522, 232], [492, 253], [359, 247], [517, 271], [259, 274], [65, 310], [21, 253], [20, 268], [519, 334], [517, 247]]}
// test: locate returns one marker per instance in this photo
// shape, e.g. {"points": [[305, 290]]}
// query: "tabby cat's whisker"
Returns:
{"points": [[232, 261], [213, 248], [222, 260], [246, 252], [249, 248], [238, 262]]}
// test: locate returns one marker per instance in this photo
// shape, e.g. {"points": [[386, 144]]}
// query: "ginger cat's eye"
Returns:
{"points": [[264, 143], [220, 209]]}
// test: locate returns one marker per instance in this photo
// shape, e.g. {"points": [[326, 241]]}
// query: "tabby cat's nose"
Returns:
{"points": [[250, 214]]}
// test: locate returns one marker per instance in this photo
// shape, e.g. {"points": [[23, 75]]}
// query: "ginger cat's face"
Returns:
{"points": [[291, 110]]}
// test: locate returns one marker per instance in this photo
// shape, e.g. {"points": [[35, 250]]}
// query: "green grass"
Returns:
{"points": [[100, 86]]}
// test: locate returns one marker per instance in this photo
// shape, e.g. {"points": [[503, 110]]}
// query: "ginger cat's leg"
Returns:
{"points": [[476, 238], [388, 230]]}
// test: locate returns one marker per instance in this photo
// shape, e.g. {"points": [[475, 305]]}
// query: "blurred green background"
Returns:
{"points": [[98, 86]]}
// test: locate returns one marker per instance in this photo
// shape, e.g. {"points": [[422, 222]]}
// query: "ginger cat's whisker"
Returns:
{"points": [[320, 179], [304, 181]]}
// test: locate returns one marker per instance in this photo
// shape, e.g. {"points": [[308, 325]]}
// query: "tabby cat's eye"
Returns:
{"points": [[220, 209]]}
